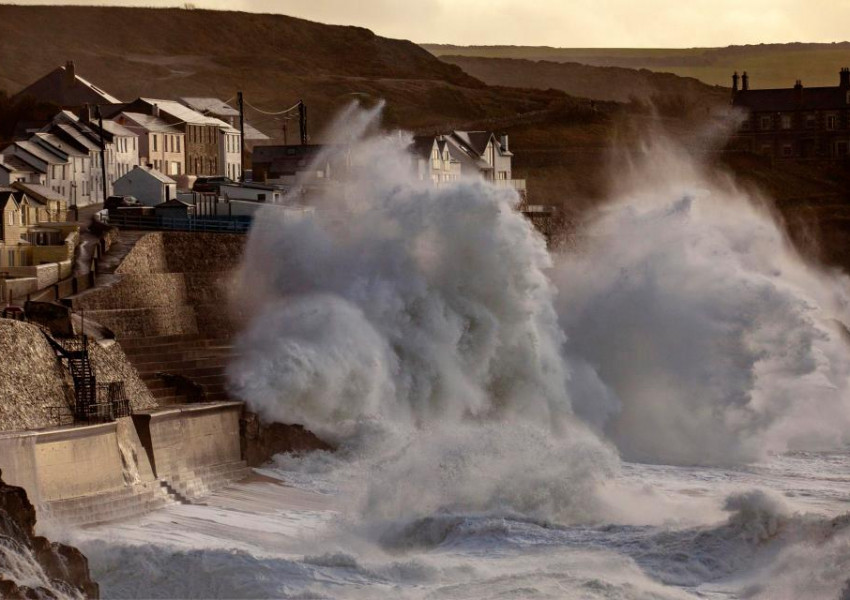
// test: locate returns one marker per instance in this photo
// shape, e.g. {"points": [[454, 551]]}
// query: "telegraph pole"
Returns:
{"points": [[102, 152], [241, 138], [302, 121]]}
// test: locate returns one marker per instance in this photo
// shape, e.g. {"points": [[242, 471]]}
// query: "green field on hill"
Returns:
{"points": [[769, 65]]}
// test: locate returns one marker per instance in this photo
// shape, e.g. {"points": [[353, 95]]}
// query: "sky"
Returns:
{"points": [[564, 23]]}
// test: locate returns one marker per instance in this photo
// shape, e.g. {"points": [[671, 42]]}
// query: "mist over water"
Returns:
{"points": [[716, 342], [415, 325]]}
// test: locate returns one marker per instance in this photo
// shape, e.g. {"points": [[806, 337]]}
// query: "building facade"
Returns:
{"points": [[160, 146], [794, 123]]}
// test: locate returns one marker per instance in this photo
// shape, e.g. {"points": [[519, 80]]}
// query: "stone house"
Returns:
{"points": [[799, 122], [211, 145], [160, 146], [148, 186], [213, 107]]}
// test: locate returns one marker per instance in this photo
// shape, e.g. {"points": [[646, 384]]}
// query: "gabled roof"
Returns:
{"points": [[63, 87], [790, 99], [148, 171], [212, 106], [117, 129], [422, 146], [74, 134], [6, 197], [58, 145], [41, 153], [40, 193], [184, 114], [147, 122]]}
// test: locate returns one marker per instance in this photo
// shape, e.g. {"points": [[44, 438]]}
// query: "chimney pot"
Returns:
{"points": [[503, 140], [70, 73], [735, 81], [845, 78], [745, 81]]}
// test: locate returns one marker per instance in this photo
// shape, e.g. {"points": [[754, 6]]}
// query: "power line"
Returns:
{"points": [[265, 112]]}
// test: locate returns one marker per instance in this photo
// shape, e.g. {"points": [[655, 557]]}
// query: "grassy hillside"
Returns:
{"points": [[601, 83], [274, 59], [769, 65]]}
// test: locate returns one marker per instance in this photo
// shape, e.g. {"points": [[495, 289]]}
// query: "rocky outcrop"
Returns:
{"points": [[260, 441], [32, 566]]}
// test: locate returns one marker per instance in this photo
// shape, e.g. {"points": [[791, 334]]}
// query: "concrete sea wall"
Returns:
{"points": [[109, 471]]}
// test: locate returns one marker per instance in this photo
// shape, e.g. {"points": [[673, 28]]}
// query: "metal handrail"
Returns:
{"points": [[203, 225]]}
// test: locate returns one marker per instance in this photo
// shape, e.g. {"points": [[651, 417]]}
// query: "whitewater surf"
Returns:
{"points": [[658, 411]]}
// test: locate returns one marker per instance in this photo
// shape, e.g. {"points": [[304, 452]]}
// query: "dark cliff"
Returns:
{"points": [[32, 566]]}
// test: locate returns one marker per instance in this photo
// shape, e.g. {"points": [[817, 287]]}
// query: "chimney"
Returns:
{"points": [[85, 113], [155, 110], [503, 140], [845, 78], [734, 82], [798, 93], [70, 74], [745, 82]]}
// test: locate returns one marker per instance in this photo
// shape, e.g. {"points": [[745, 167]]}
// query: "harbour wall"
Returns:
{"points": [[95, 473]]}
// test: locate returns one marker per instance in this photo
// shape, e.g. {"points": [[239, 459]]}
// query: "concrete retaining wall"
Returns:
{"points": [[98, 472]]}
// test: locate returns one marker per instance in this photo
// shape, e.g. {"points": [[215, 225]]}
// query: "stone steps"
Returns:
{"points": [[196, 483], [125, 503]]}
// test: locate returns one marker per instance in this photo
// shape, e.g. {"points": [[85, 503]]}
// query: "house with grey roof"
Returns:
{"points": [[213, 107], [450, 156], [212, 146], [798, 122], [160, 146], [148, 186], [65, 88], [14, 169]]}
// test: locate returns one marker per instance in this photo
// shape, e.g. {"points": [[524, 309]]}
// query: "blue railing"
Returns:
{"points": [[200, 224]]}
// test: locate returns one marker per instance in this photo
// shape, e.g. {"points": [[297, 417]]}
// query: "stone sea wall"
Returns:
{"points": [[170, 283]]}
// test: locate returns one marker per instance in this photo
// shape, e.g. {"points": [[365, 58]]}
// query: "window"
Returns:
{"points": [[178, 144], [11, 258], [831, 122], [786, 121], [766, 123], [11, 218], [767, 150], [841, 148], [787, 150], [154, 143], [810, 121]]}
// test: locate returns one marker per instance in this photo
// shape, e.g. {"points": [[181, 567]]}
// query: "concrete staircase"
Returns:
{"points": [[192, 484], [201, 360], [124, 503]]}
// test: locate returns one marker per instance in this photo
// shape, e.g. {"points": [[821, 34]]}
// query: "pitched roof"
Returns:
{"points": [[174, 202], [148, 122], [161, 177], [117, 129], [75, 133], [210, 105], [6, 197], [38, 192], [790, 99], [184, 114], [42, 153], [63, 87], [422, 146], [59, 144]]}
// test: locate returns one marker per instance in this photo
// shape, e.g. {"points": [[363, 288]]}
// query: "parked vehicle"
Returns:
{"points": [[211, 185], [114, 202]]}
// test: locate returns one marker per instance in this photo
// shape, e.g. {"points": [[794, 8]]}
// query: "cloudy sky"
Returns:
{"points": [[566, 23]]}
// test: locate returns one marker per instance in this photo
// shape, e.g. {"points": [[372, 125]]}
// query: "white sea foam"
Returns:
{"points": [[716, 342]]}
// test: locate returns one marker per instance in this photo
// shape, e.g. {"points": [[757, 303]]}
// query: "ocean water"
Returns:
{"points": [[659, 410], [767, 530]]}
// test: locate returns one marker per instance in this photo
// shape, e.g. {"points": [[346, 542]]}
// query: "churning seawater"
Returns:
{"points": [[658, 411]]}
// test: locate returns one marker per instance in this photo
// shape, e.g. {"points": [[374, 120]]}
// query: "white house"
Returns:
{"points": [[160, 145], [14, 169], [148, 186]]}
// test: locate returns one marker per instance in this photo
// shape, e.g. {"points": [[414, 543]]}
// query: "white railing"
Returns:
{"points": [[517, 184]]}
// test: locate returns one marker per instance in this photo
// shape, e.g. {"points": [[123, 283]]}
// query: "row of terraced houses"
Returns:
{"points": [[95, 133]]}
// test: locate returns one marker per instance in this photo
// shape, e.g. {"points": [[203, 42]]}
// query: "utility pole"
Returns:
{"points": [[302, 121], [241, 138], [284, 130], [102, 151]]}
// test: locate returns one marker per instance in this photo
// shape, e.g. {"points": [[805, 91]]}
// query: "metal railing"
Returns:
{"points": [[517, 184], [198, 224]]}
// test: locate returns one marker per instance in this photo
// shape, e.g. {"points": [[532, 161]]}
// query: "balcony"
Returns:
{"points": [[517, 184]]}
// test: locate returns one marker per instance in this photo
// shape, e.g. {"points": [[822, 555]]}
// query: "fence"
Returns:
{"points": [[157, 222]]}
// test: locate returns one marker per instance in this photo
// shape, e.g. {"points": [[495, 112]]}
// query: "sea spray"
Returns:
{"points": [[414, 324], [716, 341]]}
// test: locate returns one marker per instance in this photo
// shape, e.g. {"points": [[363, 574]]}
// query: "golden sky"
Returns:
{"points": [[565, 23]]}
